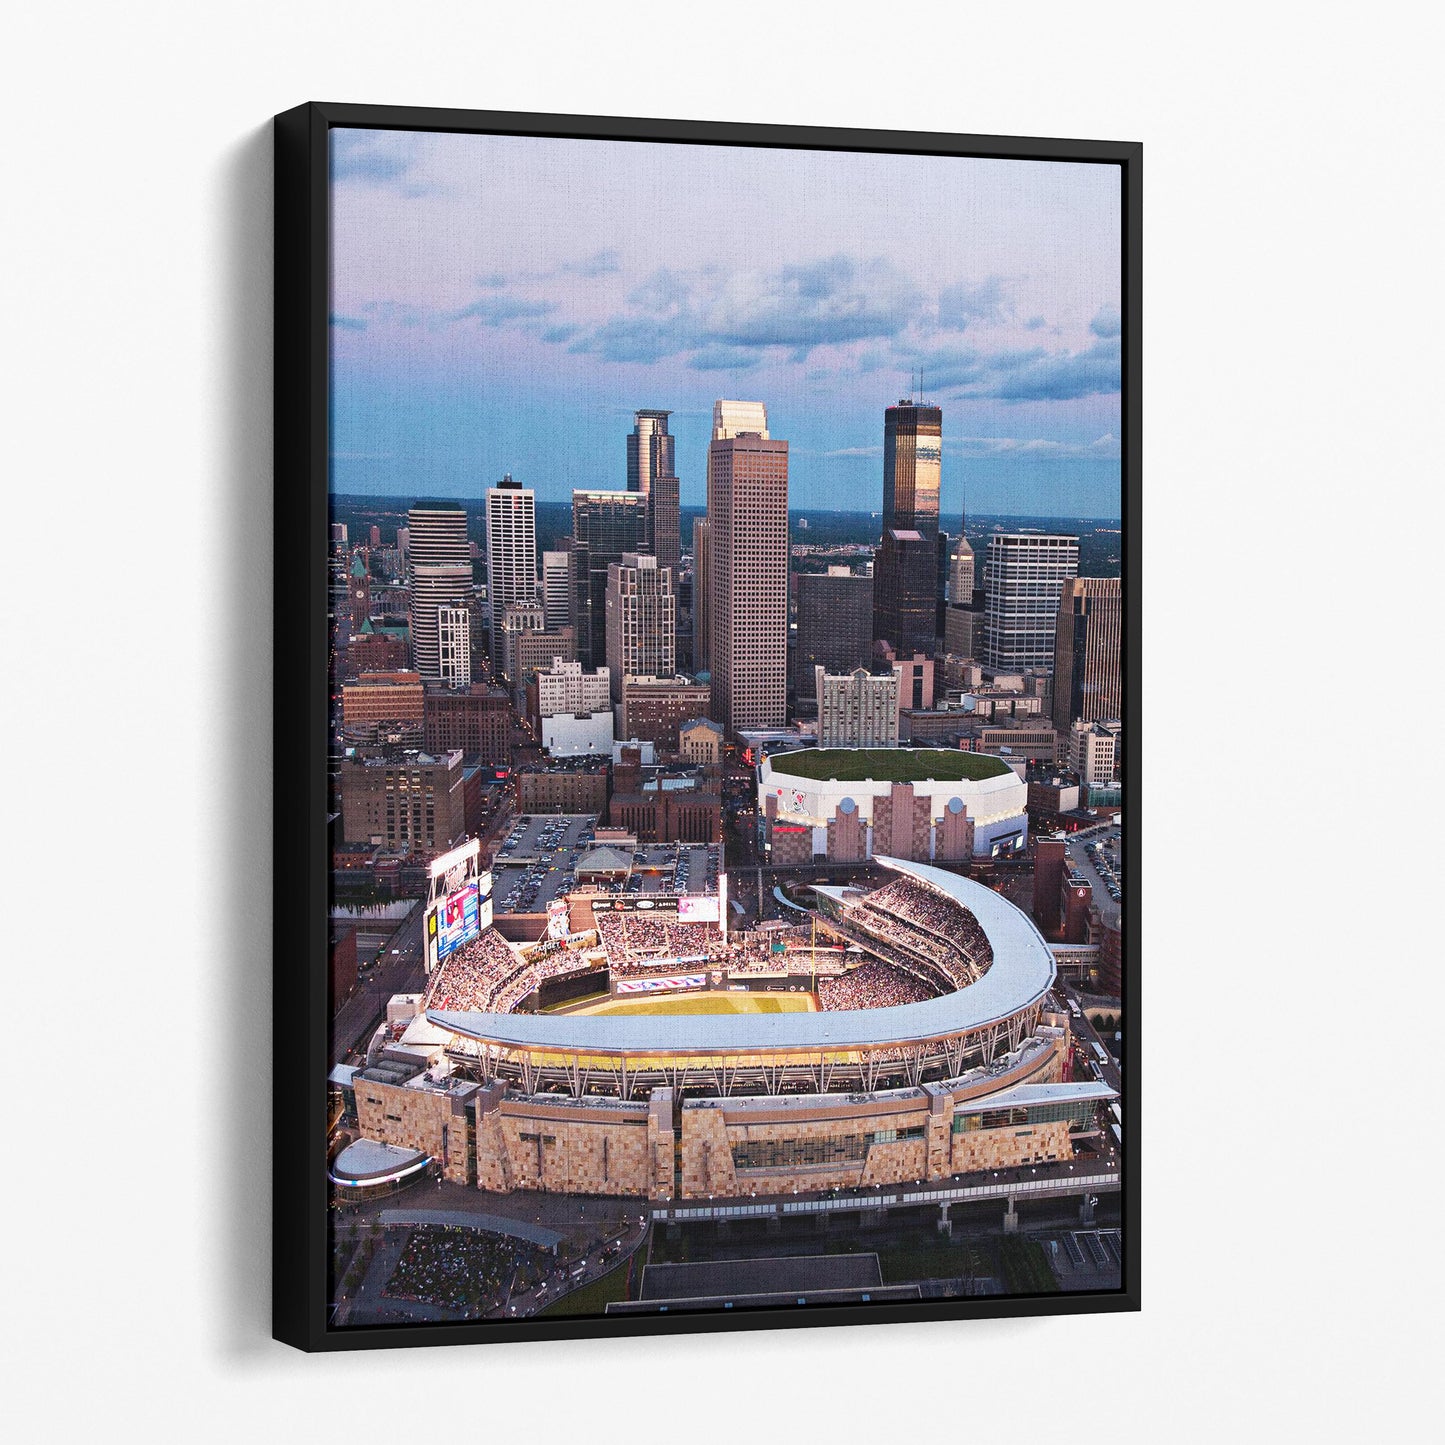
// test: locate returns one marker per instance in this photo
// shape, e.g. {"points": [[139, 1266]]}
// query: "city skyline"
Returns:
{"points": [[478, 333]]}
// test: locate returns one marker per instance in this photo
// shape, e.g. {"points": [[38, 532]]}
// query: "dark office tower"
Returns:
{"points": [[652, 471], [940, 584], [605, 527], [747, 509], [835, 626], [905, 570], [665, 517], [439, 575], [1088, 644], [649, 451], [912, 466]]}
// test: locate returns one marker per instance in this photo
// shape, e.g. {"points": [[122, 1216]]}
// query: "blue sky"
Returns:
{"points": [[503, 304]]}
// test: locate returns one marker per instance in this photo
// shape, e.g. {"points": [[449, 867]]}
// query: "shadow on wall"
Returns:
{"points": [[236, 1157]]}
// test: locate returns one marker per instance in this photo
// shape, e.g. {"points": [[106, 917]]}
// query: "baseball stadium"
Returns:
{"points": [[903, 1032]]}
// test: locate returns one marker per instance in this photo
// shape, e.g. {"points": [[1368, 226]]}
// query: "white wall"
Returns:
{"points": [[570, 734], [1293, 392]]}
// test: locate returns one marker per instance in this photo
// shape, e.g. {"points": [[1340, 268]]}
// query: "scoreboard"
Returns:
{"points": [[458, 919]]}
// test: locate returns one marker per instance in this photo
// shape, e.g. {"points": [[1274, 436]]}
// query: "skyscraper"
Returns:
{"points": [[1023, 577], [747, 508], [557, 585], [439, 575], [835, 626], [961, 570], [511, 551], [857, 709], [905, 571], [1088, 643], [651, 470], [605, 527], [963, 617], [641, 620], [454, 645], [701, 582]]}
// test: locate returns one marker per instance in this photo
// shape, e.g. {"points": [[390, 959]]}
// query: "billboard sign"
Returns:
{"points": [[459, 919], [559, 923], [703, 909], [484, 900], [661, 985]]}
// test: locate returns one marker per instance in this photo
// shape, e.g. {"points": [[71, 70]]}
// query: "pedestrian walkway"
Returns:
{"points": [[466, 1219]]}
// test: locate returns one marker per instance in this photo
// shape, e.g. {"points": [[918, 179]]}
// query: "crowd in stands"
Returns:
{"points": [[935, 943], [935, 933], [462, 1269], [488, 976], [470, 977], [631, 938], [872, 985]]}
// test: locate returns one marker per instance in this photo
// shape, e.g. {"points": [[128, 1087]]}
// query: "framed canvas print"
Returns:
{"points": [[707, 804]]}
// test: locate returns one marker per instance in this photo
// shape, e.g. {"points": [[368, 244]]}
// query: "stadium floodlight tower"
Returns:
{"points": [[459, 901]]}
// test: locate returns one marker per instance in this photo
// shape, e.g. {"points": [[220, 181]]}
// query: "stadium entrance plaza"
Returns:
{"points": [[584, 1243]]}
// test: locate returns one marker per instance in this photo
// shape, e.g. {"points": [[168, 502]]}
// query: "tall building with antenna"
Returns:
{"points": [[905, 570], [963, 617]]}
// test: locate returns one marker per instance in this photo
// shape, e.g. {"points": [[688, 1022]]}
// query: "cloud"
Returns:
{"points": [[718, 317], [817, 304], [1106, 323], [599, 263], [379, 159], [855, 452], [1092, 372], [394, 313], [348, 323], [945, 367], [498, 310], [560, 333], [960, 304], [1021, 374], [1035, 323], [723, 358], [1104, 448]]}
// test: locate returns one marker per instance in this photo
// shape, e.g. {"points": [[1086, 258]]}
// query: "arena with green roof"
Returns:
{"points": [[890, 765], [927, 804]]}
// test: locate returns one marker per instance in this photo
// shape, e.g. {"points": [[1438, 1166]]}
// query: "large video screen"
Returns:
{"points": [[698, 910], [458, 919]]}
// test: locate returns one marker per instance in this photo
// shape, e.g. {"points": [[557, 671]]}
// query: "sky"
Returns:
{"points": [[504, 304]]}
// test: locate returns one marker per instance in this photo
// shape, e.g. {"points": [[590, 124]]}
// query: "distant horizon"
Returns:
{"points": [[507, 303], [360, 499]]}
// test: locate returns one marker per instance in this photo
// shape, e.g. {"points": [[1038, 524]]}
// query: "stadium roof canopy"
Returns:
{"points": [[1022, 973], [881, 765]]}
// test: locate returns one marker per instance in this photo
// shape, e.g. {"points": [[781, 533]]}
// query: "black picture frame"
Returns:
{"points": [[301, 854]]}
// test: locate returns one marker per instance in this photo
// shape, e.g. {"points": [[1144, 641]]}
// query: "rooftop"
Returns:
{"points": [[902, 765]]}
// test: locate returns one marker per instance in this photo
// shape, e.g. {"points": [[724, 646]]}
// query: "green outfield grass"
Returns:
{"points": [[705, 1003], [889, 765]]}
